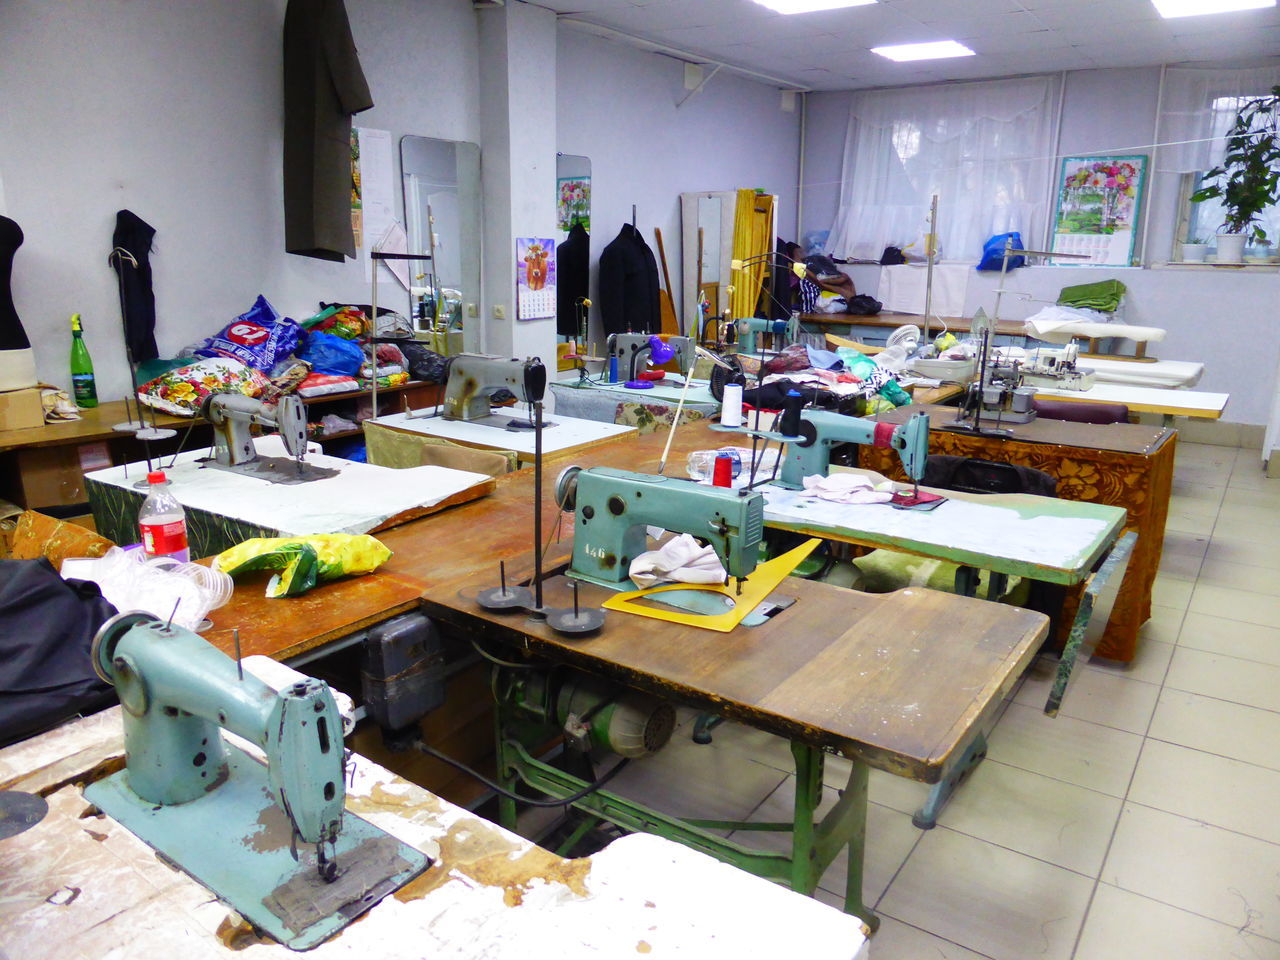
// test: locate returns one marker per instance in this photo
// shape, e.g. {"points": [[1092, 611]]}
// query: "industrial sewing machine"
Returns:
{"points": [[613, 508], [820, 430], [232, 414], [474, 376], [630, 348], [774, 334], [214, 811], [1056, 369]]}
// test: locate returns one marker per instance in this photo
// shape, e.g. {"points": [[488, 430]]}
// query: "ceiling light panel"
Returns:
{"points": [[938, 50], [1196, 8], [810, 6]]}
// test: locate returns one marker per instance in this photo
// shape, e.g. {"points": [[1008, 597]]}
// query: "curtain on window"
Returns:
{"points": [[984, 148], [1197, 106]]}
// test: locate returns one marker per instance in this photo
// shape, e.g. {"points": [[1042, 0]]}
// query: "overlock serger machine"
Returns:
{"points": [[474, 376], [232, 414], [613, 508], [241, 828], [820, 430]]}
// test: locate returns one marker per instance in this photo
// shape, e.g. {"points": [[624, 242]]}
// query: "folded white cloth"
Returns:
{"points": [[843, 488], [680, 560], [1059, 324]]}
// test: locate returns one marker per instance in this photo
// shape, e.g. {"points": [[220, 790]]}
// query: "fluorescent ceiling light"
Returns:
{"points": [[1195, 8], [938, 50], [810, 6]]}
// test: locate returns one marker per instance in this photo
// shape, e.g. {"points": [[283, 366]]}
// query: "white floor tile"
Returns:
{"points": [[1100, 696], [1171, 592], [1066, 825], [1202, 786], [1086, 754], [1239, 576], [1234, 604], [1257, 511], [900, 941], [1227, 678], [1197, 867], [988, 899], [1238, 550], [1125, 926], [1248, 641], [1152, 657], [1246, 531], [1218, 726]]}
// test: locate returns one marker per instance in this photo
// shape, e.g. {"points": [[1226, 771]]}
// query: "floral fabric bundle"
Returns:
{"points": [[182, 391]]}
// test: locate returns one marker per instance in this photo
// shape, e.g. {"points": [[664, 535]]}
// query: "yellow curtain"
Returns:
{"points": [[752, 237]]}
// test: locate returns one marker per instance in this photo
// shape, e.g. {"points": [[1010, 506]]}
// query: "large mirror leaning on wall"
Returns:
{"points": [[441, 181], [573, 252], [707, 242]]}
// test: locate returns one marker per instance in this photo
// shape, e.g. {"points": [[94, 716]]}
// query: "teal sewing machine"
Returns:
{"points": [[820, 430], [774, 334], [613, 507], [215, 811], [473, 376]]}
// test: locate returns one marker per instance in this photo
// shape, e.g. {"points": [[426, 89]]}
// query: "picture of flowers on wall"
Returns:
{"points": [[1098, 204], [574, 204]]}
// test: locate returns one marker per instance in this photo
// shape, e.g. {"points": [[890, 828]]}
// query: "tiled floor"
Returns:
{"points": [[1143, 822]]}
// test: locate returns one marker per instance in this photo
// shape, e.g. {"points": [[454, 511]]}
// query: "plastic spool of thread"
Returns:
{"points": [[791, 413], [613, 369], [731, 406], [722, 475]]}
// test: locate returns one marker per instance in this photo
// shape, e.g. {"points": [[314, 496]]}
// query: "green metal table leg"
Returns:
{"points": [[966, 581], [997, 585], [856, 794], [580, 831], [804, 868], [703, 725], [1112, 567], [926, 818]]}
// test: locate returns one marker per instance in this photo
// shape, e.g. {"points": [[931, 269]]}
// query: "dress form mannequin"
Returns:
{"points": [[17, 362]]}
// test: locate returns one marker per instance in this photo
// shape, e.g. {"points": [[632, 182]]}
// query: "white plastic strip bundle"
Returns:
{"points": [[160, 586]]}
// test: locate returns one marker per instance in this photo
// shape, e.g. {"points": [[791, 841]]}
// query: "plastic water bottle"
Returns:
{"points": [[163, 522]]}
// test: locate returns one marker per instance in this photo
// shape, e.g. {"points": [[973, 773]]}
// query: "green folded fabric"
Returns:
{"points": [[1104, 295]]}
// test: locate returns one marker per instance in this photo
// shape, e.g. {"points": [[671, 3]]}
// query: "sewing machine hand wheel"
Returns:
{"points": [[104, 641], [567, 488]]}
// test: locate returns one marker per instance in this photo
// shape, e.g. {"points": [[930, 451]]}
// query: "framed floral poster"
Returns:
{"points": [[1099, 200], [574, 203]]}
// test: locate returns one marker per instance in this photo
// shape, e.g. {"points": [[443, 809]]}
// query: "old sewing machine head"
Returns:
{"points": [[630, 348], [473, 376], [821, 430], [218, 813], [613, 508], [774, 334], [232, 414]]}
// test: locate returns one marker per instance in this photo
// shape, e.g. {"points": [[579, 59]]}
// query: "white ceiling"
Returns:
{"points": [[830, 50]]}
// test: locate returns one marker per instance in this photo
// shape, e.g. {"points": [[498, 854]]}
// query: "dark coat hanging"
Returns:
{"points": [[629, 285], [12, 335], [323, 87], [573, 270], [137, 300]]}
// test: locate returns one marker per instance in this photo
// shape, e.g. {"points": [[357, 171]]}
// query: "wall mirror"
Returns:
{"points": [[573, 246], [441, 180], [706, 221]]}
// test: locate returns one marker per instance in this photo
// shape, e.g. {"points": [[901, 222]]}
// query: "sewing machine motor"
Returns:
{"points": [[215, 811]]}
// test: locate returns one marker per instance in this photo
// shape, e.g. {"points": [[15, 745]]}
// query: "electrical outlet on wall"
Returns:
{"points": [[499, 312]]}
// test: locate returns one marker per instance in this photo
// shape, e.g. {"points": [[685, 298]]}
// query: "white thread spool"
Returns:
{"points": [[731, 406]]}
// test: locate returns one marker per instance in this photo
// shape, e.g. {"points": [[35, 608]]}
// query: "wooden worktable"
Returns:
{"points": [[1121, 464]]}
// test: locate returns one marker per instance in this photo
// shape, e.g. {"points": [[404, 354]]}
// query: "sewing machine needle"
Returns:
{"points": [[235, 636]]}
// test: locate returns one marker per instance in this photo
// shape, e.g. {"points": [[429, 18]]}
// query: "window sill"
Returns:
{"points": [[1200, 265]]}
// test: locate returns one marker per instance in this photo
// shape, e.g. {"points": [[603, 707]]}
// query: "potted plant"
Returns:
{"points": [[1193, 251], [1248, 180]]}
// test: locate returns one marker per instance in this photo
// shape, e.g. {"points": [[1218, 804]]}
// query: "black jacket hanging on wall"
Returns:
{"points": [[629, 285], [138, 301], [573, 269], [323, 87], [12, 335]]}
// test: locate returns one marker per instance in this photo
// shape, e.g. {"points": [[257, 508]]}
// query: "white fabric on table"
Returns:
{"points": [[680, 560], [1056, 324], [843, 488], [902, 288], [1157, 373]]}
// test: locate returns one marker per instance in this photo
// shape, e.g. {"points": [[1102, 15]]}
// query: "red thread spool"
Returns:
{"points": [[722, 472], [883, 434]]}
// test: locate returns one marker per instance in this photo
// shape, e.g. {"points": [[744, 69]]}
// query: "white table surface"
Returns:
{"points": [[496, 896], [665, 389], [357, 500], [1187, 403], [566, 434]]}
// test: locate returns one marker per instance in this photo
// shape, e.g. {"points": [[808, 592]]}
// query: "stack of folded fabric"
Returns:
{"points": [[1105, 295]]}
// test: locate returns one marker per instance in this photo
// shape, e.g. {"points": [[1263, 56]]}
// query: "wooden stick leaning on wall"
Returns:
{"points": [[666, 301]]}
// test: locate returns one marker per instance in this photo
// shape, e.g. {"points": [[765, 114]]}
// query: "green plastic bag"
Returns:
{"points": [[303, 562]]}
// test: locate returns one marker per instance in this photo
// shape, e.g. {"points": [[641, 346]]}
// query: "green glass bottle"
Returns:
{"points": [[82, 382]]}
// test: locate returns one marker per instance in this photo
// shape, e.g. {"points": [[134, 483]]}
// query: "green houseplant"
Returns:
{"points": [[1248, 180]]}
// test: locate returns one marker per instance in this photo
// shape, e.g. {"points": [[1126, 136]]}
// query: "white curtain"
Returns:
{"points": [[1187, 112], [984, 148]]}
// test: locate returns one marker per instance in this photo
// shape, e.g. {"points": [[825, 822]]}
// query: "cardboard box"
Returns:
{"points": [[21, 409]]}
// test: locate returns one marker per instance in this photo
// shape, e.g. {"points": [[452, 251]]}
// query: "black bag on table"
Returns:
{"points": [[46, 629]]}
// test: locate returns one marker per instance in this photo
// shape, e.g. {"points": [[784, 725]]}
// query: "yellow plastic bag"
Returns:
{"points": [[302, 562]]}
